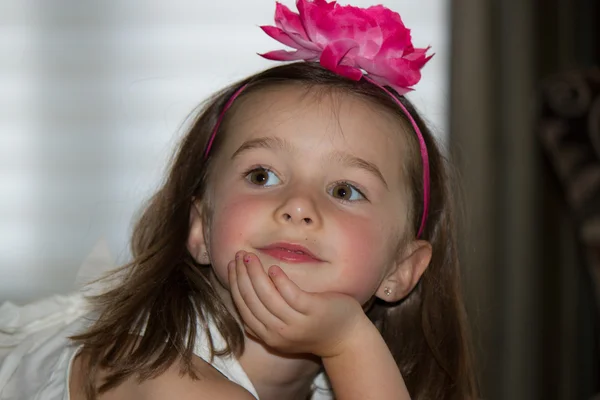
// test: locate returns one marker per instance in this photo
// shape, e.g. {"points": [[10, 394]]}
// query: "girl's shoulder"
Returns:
{"points": [[171, 384]]}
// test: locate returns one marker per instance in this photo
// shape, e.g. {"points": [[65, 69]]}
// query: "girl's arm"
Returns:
{"points": [[365, 368], [330, 325]]}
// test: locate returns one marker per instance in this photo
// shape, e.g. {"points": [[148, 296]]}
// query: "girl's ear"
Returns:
{"points": [[196, 243], [405, 275]]}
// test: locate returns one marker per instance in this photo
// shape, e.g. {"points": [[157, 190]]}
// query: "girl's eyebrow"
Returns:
{"points": [[350, 160], [274, 143]]}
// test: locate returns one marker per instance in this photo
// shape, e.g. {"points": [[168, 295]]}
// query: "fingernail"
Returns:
{"points": [[247, 259]]}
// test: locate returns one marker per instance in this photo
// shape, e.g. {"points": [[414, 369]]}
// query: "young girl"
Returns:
{"points": [[301, 247]]}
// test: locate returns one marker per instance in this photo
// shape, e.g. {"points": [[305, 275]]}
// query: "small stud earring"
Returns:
{"points": [[387, 291], [204, 257]]}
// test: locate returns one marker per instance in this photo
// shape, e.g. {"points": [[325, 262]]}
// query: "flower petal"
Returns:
{"points": [[280, 36], [289, 21], [335, 52], [311, 12], [400, 72], [399, 67], [292, 40], [283, 55], [395, 44], [337, 57], [389, 21], [345, 22], [384, 82], [419, 57]]}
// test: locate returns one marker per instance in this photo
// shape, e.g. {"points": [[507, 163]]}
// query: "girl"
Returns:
{"points": [[301, 247]]}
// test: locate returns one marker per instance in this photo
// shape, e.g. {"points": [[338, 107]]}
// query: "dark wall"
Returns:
{"points": [[568, 50], [529, 287]]}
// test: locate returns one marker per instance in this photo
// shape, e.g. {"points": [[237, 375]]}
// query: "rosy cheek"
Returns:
{"points": [[363, 252], [231, 224]]}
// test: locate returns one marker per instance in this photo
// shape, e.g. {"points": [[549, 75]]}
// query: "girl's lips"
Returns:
{"points": [[290, 253]]}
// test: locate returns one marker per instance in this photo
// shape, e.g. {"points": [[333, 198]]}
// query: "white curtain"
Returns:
{"points": [[92, 98]]}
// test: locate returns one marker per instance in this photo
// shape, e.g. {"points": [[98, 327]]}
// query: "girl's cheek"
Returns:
{"points": [[360, 237], [232, 221], [365, 253]]}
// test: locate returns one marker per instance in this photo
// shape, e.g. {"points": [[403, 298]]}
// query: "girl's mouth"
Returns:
{"points": [[290, 253]]}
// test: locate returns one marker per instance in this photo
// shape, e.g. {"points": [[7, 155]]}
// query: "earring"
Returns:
{"points": [[204, 258], [387, 291]]}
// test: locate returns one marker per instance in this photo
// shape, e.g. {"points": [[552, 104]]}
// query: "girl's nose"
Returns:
{"points": [[299, 210]]}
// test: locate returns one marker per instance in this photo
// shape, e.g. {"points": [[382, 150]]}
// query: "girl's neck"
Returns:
{"points": [[274, 375], [278, 376]]}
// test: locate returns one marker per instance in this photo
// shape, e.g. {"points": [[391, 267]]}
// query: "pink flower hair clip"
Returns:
{"points": [[349, 41]]}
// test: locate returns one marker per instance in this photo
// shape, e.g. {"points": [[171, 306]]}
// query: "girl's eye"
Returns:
{"points": [[262, 177], [346, 191]]}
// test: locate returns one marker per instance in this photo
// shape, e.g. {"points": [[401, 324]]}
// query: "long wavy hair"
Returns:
{"points": [[150, 320]]}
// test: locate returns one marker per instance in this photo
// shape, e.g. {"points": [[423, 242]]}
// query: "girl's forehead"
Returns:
{"points": [[319, 121]]}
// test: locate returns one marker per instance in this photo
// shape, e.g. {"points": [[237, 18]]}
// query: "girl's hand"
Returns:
{"points": [[288, 319]]}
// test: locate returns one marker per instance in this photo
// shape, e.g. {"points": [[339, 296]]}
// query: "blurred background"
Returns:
{"points": [[94, 95]]}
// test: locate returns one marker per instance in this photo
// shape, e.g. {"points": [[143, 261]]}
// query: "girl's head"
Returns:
{"points": [[304, 157], [307, 159]]}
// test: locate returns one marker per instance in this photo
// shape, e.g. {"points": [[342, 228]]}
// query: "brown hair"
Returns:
{"points": [[150, 320]]}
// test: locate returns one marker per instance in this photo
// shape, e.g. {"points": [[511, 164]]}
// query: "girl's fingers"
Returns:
{"points": [[251, 299], [267, 292], [251, 332], [248, 318], [298, 299]]}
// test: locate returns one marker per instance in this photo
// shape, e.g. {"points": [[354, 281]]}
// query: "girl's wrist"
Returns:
{"points": [[360, 334]]}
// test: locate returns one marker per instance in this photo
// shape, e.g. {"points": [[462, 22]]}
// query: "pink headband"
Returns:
{"points": [[356, 43]]}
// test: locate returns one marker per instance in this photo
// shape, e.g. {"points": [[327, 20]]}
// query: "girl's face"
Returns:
{"points": [[312, 183]]}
